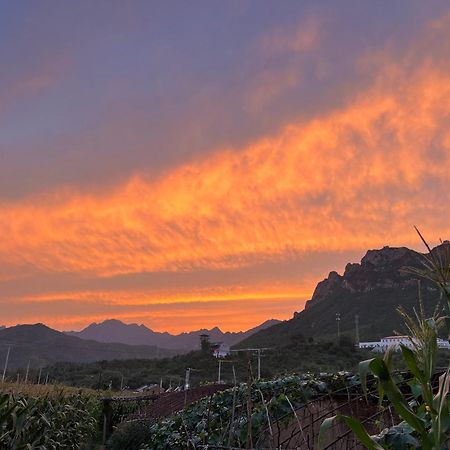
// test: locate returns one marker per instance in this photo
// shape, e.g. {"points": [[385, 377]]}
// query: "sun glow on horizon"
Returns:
{"points": [[349, 177]]}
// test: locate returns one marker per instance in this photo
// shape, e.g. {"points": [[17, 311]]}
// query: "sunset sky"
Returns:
{"points": [[186, 164]]}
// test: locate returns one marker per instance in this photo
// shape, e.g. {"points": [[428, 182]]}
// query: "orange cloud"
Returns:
{"points": [[170, 309], [276, 79], [165, 297], [71, 313], [354, 178]]}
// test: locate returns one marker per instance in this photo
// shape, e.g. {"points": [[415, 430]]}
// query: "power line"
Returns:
{"points": [[258, 353]]}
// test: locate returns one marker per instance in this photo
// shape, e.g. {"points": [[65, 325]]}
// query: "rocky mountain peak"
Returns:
{"points": [[386, 256], [326, 287], [378, 269]]}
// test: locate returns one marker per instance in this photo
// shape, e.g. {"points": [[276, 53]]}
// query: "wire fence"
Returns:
{"points": [[299, 429]]}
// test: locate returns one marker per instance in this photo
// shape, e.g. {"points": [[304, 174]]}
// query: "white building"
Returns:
{"points": [[221, 350], [442, 343], [395, 342]]}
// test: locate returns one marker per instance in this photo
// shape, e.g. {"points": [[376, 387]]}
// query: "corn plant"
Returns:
{"points": [[47, 423], [425, 414], [437, 269]]}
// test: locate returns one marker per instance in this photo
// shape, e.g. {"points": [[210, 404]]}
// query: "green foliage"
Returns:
{"points": [[223, 418], [47, 423], [130, 436], [354, 425], [297, 357]]}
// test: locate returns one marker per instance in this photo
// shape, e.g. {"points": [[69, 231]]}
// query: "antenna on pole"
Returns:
{"points": [[6, 364], [357, 330]]}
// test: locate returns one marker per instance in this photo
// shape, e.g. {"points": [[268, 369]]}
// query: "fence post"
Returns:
{"points": [[107, 419]]}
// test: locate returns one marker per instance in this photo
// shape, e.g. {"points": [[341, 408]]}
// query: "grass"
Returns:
{"points": [[43, 390]]}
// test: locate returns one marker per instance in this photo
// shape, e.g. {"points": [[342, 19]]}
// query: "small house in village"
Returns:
{"points": [[396, 341]]}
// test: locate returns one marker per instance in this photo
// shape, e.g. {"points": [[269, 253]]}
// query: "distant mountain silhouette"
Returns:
{"points": [[42, 346], [373, 290], [133, 334]]}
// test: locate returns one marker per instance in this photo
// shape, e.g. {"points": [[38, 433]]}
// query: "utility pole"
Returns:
{"points": [[220, 367], [186, 379], [258, 352], [221, 361], [40, 373], [6, 364], [28, 370], [46, 379], [357, 330], [338, 320]]}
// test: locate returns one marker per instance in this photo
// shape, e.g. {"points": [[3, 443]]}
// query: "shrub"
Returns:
{"points": [[129, 436]]}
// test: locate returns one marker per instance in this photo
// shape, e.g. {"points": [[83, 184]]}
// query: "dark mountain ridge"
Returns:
{"points": [[42, 346], [113, 330], [371, 290]]}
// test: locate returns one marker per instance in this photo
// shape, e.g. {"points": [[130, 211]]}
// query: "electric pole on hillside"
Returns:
{"points": [[28, 370], [338, 321], [186, 378], [6, 364], [220, 371], [219, 375], [258, 354], [357, 330]]}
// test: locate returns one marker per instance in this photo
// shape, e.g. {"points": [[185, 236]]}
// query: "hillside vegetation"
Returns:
{"points": [[42, 346], [373, 290], [297, 357]]}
